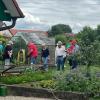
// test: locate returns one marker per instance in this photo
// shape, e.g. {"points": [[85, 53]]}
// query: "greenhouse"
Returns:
{"points": [[21, 40]]}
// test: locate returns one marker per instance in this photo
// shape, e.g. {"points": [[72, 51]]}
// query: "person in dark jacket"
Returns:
{"points": [[45, 56], [8, 54]]}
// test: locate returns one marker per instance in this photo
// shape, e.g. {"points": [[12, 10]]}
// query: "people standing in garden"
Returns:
{"points": [[8, 52], [32, 52], [70, 50], [59, 52], [73, 51], [45, 55]]}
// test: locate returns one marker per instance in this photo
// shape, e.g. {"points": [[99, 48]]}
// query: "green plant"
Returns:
{"points": [[47, 84], [89, 47], [60, 38], [26, 77], [59, 29], [79, 83]]}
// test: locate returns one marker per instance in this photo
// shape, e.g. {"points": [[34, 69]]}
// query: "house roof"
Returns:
{"points": [[38, 37], [15, 31], [9, 9], [70, 34]]}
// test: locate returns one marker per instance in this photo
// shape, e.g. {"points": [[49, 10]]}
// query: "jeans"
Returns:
{"points": [[7, 63], [74, 63], [64, 60], [60, 63], [33, 60], [70, 62], [45, 63]]}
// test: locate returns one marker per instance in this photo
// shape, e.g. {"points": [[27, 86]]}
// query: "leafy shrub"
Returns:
{"points": [[60, 38], [79, 83], [47, 84], [50, 84]]}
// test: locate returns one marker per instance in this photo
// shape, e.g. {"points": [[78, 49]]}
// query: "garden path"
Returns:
{"points": [[22, 98]]}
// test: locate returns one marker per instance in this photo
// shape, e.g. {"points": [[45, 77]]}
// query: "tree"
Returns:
{"points": [[98, 30], [98, 33], [59, 29], [61, 38], [89, 47]]}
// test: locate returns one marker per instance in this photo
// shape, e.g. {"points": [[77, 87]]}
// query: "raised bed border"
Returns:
{"points": [[15, 90]]}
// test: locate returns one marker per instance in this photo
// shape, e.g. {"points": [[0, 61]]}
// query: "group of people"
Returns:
{"points": [[62, 53], [33, 53]]}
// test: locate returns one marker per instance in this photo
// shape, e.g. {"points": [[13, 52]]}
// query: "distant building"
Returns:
{"points": [[70, 34]]}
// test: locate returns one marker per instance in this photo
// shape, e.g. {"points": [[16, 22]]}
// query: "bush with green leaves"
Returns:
{"points": [[61, 38], [47, 84], [77, 82]]}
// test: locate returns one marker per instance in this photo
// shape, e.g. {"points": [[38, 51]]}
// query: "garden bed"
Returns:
{"points": [[75, 82]]}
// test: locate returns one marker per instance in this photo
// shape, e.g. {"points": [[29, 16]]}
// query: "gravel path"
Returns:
{"points": [[22, 98]]}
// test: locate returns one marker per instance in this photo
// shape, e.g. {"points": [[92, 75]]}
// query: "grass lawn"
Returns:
{"points": [[26, 77]]}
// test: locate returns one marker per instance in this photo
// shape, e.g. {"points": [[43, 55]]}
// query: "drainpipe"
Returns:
{"points": [[9, 27]]}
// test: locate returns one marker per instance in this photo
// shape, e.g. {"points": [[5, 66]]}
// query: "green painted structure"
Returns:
{"points": [[4, 16]]}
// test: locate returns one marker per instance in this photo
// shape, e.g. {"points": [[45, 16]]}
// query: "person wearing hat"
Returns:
{"points": [[8, 54], [59, 55]]}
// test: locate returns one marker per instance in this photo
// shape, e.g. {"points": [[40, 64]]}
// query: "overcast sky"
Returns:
{"points": [[41, 14]]}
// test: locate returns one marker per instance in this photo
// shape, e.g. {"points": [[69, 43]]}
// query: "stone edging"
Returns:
{"points": [[44, 93]]}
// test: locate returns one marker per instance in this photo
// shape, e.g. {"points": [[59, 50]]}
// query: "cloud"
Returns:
{"points": [[31, 22], [76, 13], [30, 18], [76, 27], [91, 2]]}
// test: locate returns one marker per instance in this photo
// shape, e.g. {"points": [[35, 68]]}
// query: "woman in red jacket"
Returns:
{"points": [[32, 52]]}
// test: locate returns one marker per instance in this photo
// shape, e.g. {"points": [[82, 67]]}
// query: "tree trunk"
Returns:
{"points": [[88, 73]]}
